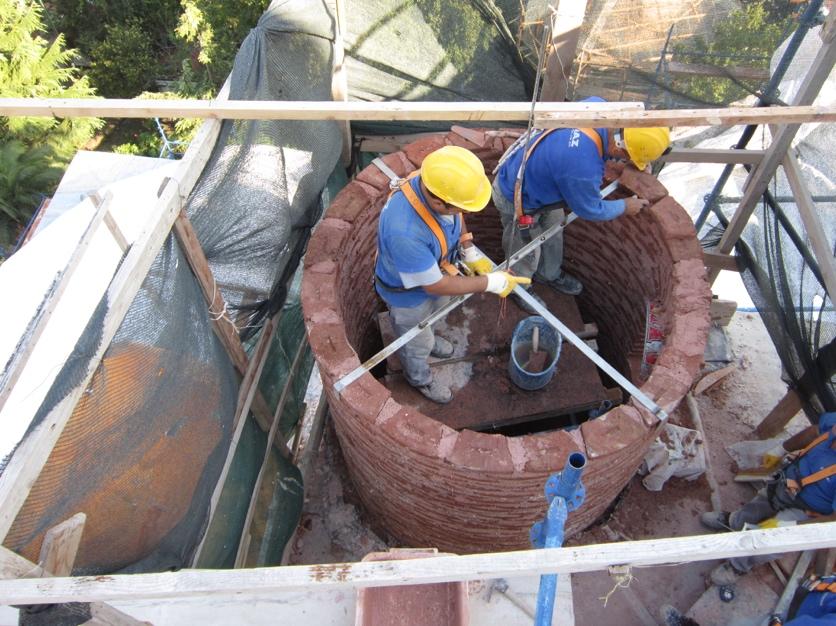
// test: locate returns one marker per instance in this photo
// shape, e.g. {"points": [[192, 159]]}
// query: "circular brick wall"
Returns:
{"points": [[429, 485]]}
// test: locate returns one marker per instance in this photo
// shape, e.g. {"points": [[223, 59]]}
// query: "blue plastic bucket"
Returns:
{"points": [[550, 342]]}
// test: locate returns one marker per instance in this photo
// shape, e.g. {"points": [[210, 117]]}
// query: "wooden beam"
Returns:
{"points": [[799, 573], [301, 110], [714, 488], [759, 178], [566, 22], [31, 454], [60, 546], [720, 261], [730, 116], [721, 311], [246, 393], [787, 408], [243, 542], [269, 580], [22, 354], [699, 69], [812, 224], [388, 143], [339, 77], [709, 155], [223, 324]]}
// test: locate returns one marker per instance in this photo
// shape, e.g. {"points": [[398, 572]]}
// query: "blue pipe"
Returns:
{"points": [[565, 493]]}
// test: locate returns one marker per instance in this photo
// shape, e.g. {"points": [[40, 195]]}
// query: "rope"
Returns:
{"points": [[623, 576]]}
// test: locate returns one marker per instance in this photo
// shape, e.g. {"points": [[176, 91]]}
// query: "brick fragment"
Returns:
{"points": [[613, 431], [332, 351], [481, 452]]}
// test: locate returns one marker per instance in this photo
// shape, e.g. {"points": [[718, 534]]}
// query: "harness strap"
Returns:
{"points": [[518, 207], [397, 183], [432, 224], [824, 583], [794, 486]]}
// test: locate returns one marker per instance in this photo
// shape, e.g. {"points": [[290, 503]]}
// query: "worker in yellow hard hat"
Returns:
{"points": [[564, 170], [420, 235]]}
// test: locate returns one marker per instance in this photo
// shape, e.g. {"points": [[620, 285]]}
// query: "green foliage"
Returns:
{"points": [[30, 148], [123, 62], [146, 140], [751, 34], [24, 175], [31, 67], [215, 29]]}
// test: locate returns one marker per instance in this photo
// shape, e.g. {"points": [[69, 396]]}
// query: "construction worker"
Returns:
{"points": [[564, 169], [803, 491], [420, 236]]}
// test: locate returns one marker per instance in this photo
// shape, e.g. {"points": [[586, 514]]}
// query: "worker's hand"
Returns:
{"points": [[503, 283], [475, 261], [632, 206], [773, 457]]}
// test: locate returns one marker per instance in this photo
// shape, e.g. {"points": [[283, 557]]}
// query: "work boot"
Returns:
{"points": [[671, 617], [566, 283], [436, 392], [716, 520], [525, 306], [724, 575], [442, 348]]}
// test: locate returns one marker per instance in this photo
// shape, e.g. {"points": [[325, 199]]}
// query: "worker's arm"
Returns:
{"points": [[584, 198], [457, 285]]}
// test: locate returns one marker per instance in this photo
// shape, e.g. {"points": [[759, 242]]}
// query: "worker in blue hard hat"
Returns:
{"points": [[564, 170], [420, 235]]}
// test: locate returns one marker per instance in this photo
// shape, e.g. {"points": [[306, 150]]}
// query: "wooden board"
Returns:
{"points": [[490, 399], [313, 578]]}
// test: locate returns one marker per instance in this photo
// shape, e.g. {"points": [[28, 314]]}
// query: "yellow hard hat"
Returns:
{"points": [[457, 176], [646, 144]]}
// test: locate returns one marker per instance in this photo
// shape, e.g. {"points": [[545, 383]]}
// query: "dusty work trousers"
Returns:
{"points": [[414, 355], [772, 500], [545, 262]]}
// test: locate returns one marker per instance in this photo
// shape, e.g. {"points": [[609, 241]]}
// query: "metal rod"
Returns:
{"points": [[401, 341], [805, 23], [580, 344]]}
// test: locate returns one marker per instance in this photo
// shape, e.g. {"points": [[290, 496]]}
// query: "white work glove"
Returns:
{"points": [[503, 283], [475, 261]]}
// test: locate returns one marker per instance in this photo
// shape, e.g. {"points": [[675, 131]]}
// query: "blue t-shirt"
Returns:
{"points": [[821, 495], [408, 251], [565, 166]]}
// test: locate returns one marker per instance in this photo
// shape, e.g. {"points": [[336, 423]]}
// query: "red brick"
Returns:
{"points": [[612, 170], [545, 452], [365, 397], [475, 136], [672, 219], [690, 332], [642, 184], [332, 351], [417, 150], [353, 200], [327, 241], [319, 296], [685, 249], [481, 452], [613, 431], [415, 431]]}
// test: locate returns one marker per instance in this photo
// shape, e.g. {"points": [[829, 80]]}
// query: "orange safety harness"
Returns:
{"points": [[794, 486], [523, 220], [423, 212], [825, 583]]}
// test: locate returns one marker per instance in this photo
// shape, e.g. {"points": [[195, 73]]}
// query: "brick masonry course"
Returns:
{"points": [[430, 486]]}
